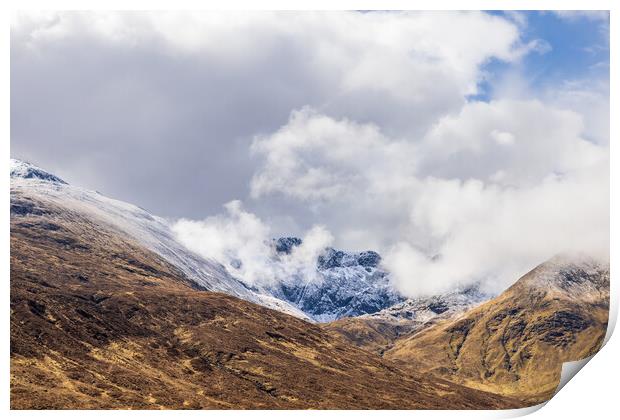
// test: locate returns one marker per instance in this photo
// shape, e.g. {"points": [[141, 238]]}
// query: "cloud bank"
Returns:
{"points": [[357, 130], [172, 101], [243, 243], [484, 196]]}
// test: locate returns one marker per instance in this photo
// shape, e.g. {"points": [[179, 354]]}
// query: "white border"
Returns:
{"points": [[592, 395]]}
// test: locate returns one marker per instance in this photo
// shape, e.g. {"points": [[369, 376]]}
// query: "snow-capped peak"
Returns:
{"points": [[32, 187], [569, 275], [344, 283], [21, 169]]}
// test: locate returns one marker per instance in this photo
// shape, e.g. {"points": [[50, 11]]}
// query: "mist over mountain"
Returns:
{"points": [[345, 284], [322, 284], [112, 304], [33, 187], [347, 209], [397, 132]]}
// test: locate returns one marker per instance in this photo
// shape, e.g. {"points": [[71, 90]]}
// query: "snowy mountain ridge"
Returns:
{"points": [[425, 309], [346, 284], [152, 232], [25, 170], [568, 276]]}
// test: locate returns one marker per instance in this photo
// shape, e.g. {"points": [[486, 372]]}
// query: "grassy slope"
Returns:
{"points": [[514, 344], [98, 322], [373, 335]]}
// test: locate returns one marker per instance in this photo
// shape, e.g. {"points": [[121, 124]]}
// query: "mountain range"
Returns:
{"points": [[345, 284], [109, 310], [35, 191], [556, 313]]}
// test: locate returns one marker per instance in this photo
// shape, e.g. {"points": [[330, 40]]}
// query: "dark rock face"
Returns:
{"points": [[23, 207], [368, 259], [561, 328], [331, 259], [286, 245], [571, 277], [458, 335], [438, 307], [346, 284], [44, 225]]}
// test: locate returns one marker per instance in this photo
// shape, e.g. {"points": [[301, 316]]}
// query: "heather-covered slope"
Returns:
{"points": [[345, 284], [99, 321], [516, 343], [34, 190], [108, 311]]}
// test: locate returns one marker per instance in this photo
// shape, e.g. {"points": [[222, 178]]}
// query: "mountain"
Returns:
{"points": [[345, 285], [35, 191], [100, 319], [108, 310], [516, 343], [426, 309], [378, 331]]}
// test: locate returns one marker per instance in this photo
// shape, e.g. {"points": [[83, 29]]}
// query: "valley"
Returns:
{"points": [[108, 311]]}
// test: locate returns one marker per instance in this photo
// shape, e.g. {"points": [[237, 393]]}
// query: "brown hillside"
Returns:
{"points": [[516, 344], [99, 322], [373, 335]]}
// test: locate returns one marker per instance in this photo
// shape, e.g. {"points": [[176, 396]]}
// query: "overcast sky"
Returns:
{"points": [[482, 138]]}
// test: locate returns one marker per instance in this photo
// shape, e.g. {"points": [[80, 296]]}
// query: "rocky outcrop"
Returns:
{"points": [[344, 284]]}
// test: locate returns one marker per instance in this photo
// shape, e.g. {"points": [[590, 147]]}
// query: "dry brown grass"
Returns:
{"points": [[98, 322], [512, 345]]}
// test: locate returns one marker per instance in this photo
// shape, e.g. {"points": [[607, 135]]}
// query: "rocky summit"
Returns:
{"points": [[108, 310], [345, 284], [101, 321]]}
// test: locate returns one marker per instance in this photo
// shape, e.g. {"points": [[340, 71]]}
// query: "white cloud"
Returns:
{"points": [[316, 157], [491, 191], [502, 137], [218, 236], [545, 140], [493, 235], [385, 66], [184, 93], [242, 242], [380, 146], [588, 98]]}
